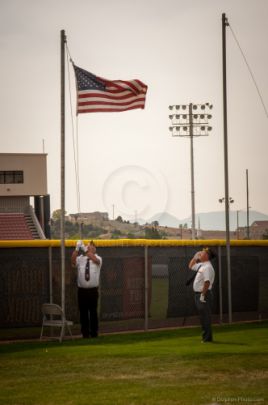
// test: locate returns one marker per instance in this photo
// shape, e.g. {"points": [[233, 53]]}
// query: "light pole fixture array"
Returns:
{"points": [[221, 200], [230, 201], [190, 120]]}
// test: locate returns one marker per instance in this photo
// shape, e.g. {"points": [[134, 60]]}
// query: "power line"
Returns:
{"points": [[250, 71]]}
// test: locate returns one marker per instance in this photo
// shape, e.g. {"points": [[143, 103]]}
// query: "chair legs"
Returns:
{"points": [[62, 331], [41, 334], [50, 311], [69, 329]]}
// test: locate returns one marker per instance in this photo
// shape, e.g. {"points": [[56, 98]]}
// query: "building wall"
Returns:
{"points": [[14, 204], [34, 167], [255, 232], [88, 217]]}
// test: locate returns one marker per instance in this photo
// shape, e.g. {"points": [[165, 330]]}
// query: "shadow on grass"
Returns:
{"points": [[140, 337], [115, 339], [216, 342]]}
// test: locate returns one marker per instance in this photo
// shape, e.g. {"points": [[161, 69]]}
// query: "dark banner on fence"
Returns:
{"points": [[123, 288]]}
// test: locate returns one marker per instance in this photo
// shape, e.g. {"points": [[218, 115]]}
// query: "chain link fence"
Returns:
{"points": [[141, 287]]}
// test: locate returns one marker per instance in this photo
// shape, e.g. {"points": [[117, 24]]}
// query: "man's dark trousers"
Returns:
{"points": [[88, 304], [205, 311]]}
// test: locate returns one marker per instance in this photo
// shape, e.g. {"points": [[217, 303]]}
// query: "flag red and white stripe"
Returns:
{"points": [[96, 94]]}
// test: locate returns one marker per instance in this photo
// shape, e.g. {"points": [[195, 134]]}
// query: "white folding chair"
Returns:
{"points": [[53, 316]]}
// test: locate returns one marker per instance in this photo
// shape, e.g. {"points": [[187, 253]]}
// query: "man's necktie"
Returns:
{"points": [[87, 273]]}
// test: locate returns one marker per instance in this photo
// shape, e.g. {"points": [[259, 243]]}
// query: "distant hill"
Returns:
{"points": [[210, 220], [165, 219]]}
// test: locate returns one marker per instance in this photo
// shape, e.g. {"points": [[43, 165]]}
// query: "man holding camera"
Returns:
{"points": [[202, 286], [88, 265]]}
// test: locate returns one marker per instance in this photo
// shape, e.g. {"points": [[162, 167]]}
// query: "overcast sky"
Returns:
{"points": [[130, 160]]}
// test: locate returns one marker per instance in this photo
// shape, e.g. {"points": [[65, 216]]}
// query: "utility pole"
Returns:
{"points": [[248, 235], [237, 224], [226, 175]]}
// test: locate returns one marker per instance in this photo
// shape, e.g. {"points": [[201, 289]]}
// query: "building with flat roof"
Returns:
{"points": [[22, 176]]}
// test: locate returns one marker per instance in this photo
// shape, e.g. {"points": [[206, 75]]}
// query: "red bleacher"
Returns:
{"points": [[14, 226]]}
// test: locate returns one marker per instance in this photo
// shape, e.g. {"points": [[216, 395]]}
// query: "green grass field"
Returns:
{"points": [[167, 367]]}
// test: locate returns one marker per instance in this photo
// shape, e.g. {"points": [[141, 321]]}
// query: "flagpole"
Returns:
{"points": [[62, 164]]}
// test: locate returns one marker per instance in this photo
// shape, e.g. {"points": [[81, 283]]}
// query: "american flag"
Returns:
{"points": [[96, 94]]}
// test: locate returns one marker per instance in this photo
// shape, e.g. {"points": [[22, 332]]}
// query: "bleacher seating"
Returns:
{"points": [[17, 226]]}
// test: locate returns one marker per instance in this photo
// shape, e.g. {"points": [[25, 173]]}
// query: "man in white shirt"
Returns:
{"points": [[202, 286], [88, 265]]}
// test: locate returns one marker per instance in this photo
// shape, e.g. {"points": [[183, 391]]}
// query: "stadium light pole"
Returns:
{"points": [[190, 121], [231, 201]]}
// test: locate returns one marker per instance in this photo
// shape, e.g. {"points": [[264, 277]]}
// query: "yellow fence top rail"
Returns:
{"points": [[129, 243]]}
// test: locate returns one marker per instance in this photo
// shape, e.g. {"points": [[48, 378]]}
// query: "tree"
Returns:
{"points": [[155, 223], [131, 235], [119, 218], [73, 230], [152, 233], [116, 234], [56, 215]]}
